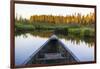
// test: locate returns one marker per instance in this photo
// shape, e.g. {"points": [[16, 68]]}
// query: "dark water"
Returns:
{"points": [[27, 43]]}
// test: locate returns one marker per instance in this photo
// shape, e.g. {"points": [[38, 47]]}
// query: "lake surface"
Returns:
{"points": [[26, 44]]}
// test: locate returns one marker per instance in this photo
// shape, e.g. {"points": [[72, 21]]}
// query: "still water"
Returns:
{"points": [[26, 44]]}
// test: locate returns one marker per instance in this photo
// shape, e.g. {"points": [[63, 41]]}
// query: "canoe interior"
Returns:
{"points": [[52, 52]]}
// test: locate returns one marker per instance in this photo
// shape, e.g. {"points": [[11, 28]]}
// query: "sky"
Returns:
{"points": [[26, 10]]}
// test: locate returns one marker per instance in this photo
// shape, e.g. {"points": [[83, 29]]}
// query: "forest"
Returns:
{"points": [[76, 24]]}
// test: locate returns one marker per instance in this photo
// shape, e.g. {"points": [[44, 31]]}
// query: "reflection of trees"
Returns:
{"points": [[44, 34], [25, 36], [74, 38], [18, 33], [89, 41], [21, 33], [81, 41], [78, 39]]}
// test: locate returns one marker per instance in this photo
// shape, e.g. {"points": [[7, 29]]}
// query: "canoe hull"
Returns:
{"points": [[52, 52]]}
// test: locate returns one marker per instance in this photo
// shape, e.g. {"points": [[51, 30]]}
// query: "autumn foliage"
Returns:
{"points": [[68, 19]]}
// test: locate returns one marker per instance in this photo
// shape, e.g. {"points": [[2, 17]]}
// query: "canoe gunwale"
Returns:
{"points": [[35, 52], [69, 51]]}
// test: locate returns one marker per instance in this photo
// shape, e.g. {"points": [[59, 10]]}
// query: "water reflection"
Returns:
{"points": [[26, 43], [73, 38]]}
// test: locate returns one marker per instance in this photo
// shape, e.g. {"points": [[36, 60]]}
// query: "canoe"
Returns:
{"points": [[53, 51]]}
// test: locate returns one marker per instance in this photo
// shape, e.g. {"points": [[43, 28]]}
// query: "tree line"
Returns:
{"points": [[68, 19]]}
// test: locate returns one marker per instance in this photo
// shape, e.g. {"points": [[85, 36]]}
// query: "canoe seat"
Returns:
{"points": [[53, 56]]}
